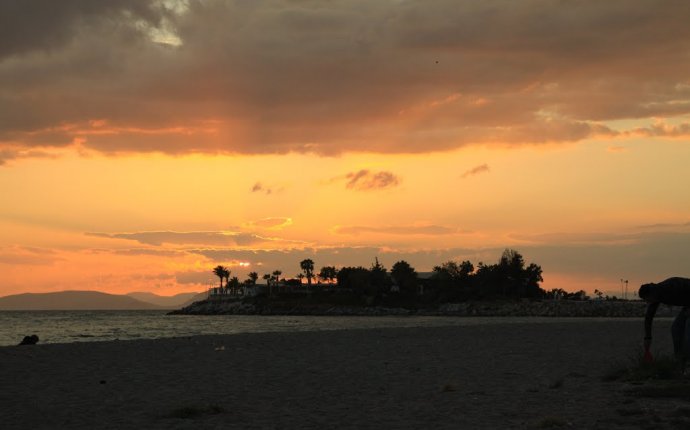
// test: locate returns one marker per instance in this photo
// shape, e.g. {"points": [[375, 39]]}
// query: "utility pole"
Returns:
{"points": [[626, 289]]}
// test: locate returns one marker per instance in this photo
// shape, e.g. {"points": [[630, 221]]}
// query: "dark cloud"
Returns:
{"points": [[420, 230], [28, 256], [45, 25], [260, 187], [677, 227], [641, 257], [203, 277], [364, 180], [281, 76], [569, 239], [663, 130], [484, 168], [645, 258], [288, 260], [144, 251], [7, 155], [208, 238]]}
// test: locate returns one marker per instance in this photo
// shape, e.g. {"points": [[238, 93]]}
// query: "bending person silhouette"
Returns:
{"points": [[674, 292]]}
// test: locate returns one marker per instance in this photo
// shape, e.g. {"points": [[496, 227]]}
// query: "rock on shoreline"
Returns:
{"points": [[589, 308]]}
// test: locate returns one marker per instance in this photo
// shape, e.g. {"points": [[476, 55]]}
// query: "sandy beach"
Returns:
{"points": [[498, 375]]}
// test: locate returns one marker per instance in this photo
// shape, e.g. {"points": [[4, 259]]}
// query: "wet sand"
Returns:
{"points": [[517, 375]]}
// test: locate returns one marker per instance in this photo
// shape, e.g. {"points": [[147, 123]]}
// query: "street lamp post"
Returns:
{"points": [[626, 289]]}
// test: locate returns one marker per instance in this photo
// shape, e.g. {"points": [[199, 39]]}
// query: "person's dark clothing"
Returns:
{"points": [[674, 292]]}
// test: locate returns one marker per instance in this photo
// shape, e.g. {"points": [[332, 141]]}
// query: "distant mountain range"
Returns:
{"points": [[176, 301], [95, 300]]}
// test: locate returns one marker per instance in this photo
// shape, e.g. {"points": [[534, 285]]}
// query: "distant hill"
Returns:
{"points": [[195, 298], [72, 300], [176, 301]]}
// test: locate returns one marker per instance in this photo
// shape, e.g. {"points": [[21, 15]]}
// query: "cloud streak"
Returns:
{"points": [[208, 238], [259, 187], [28, 256], [484, 168], [271, 223], [415, 230], [365, 180]]}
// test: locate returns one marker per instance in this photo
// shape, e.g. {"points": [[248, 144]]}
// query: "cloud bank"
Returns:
{"points": [[278, 76]]}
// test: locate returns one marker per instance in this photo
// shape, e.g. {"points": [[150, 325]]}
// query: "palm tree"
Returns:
{"points": [[267, 277], [276, 275], [219, 271], [233, 284], [307, 267], [300, 276], [253, 276], [227, 278]]}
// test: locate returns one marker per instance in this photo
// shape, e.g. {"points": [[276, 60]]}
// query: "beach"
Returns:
{"points": [[494, 375]]}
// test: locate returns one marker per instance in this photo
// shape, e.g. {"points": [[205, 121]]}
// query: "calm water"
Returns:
{"points": [[89, 326]]}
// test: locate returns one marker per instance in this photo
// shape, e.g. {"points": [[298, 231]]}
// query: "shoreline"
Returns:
{"points": [[493, 375], [230, 325], [562, 308]]}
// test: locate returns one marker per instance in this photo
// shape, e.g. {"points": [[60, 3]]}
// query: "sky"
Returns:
{"points": [[142, 143]]}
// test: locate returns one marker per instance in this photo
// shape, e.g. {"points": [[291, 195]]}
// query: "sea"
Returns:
{"points": [[93, 326]]}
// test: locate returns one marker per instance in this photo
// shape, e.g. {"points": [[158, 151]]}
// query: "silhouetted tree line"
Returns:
{"points": [[451, 281], [509, 278]]}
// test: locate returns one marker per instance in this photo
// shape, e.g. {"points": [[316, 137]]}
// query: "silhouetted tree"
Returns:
{"points": [[454, 281], [555, 294], [293, 282], [234, 283], [577, 295], [378, 278], [227, 276], [329, 273], [405, 276], [510, 278], [219, 271], [532, 278], [267, 277], [355, 278], [307, 267], [276, 275], [253, 276]]}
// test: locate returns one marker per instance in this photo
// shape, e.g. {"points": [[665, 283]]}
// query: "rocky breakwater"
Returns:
{"points": [[560, 308], [563, 308], [235, 307]]}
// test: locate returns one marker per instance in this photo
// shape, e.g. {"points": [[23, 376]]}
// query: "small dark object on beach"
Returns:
{"points": [[102, 382], [29, 340]]}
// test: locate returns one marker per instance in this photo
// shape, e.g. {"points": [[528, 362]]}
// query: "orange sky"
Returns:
{"points": [[143, 143]]}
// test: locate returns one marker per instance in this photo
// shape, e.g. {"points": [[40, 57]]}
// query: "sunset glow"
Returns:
{"points": [[144, 143]]}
